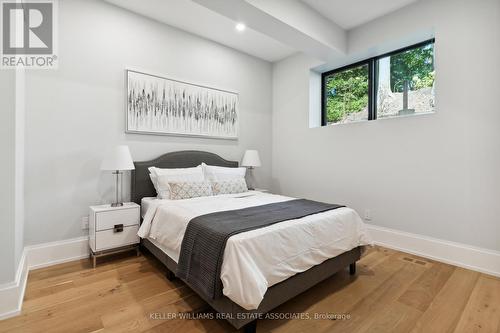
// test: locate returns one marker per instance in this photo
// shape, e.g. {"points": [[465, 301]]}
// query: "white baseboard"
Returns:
{"points": [[53, 253], [33, 257], [12, 294], [462, 255]]}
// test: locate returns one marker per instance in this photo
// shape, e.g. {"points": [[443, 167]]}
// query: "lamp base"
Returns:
{"points": [[118, 193]]}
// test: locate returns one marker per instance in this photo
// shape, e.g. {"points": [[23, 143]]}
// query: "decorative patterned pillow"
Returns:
{"points": [[186, 190], [237, 185]]}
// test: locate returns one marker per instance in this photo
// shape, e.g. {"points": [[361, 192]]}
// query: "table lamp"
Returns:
{"points": [[251, 160], [118, 160]]}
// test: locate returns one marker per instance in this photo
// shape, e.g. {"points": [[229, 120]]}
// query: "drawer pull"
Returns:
{"points": [[118, 228]]}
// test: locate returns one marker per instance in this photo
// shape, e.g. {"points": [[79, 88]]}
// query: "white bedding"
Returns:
{"points": [[255, 260], [146, 203]]}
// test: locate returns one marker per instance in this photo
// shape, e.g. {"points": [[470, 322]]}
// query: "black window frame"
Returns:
{"points": [[372, 79]]}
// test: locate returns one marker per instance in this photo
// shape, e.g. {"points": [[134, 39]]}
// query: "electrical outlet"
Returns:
{"points": [[368, 215], [85, 223]]}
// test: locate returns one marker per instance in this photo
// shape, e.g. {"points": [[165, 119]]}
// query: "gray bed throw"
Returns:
{"points": [[202, 249]]}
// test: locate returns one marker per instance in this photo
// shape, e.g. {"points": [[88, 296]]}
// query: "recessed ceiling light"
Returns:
{"points": [[241, 26]]}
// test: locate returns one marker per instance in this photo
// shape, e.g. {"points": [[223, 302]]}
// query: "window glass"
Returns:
{"points": [[346, 95], [405, 82]]}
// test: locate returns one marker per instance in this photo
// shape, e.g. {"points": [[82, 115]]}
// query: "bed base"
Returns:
{"points": [[352, 268], [170, 275], [275, 296], [251, 327]]}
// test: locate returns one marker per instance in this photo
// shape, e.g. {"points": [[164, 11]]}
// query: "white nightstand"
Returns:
{"points": [[113, 229], [263, 190]]}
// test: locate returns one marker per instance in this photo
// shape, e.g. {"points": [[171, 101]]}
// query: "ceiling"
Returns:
{"points": [[194, 18], [275, 29], [352, 13]]}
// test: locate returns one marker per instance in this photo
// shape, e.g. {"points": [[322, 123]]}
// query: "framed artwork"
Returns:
{"points": [[158, 105]]}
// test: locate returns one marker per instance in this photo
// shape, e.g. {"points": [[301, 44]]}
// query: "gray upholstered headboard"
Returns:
{"points": [[141, 183]]}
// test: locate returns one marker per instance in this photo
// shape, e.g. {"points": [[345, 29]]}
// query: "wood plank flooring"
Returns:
{"points": [[391, 292]]}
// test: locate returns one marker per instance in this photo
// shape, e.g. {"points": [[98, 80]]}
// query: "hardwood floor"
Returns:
{"points": [[391, 292]]}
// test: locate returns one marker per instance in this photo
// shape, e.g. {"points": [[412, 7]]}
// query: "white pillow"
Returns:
{"points": [[216, 173], [154, 180], [152, 176], [161, 178]]}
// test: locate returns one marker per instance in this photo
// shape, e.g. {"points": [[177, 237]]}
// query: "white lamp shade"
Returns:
{"points": [[251, 159], [118, 159]]}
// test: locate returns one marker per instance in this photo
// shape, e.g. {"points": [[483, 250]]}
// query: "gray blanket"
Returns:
{"points": [[205, 239]]}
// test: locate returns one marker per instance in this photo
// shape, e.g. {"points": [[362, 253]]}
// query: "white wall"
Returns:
{"points": [[434, 175], [20, 95], [76, 113], [12, 172], [7, 175]]}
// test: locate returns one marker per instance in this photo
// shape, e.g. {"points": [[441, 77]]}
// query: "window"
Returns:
{"points": [[393, 84]]}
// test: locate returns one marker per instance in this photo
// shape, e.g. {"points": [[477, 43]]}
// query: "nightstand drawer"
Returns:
{"points": [[108, 239], [108, 219]]}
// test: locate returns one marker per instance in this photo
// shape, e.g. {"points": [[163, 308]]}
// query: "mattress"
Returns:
{"points": [[258, 259]]}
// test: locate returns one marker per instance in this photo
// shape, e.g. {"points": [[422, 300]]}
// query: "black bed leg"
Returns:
{"points": [[251, 327], [170, 275], [352, 268]]}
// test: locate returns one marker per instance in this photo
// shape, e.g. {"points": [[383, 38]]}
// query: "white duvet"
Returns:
{"points": [[255, 260]]}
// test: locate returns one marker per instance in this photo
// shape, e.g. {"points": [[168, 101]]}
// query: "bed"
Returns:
{"points": [[237, 312]]}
